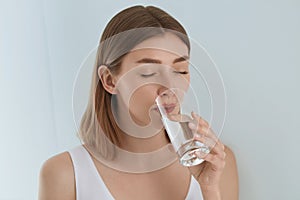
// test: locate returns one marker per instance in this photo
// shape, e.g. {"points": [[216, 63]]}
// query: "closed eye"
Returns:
{"points": [[181, 72], [148, 75]]}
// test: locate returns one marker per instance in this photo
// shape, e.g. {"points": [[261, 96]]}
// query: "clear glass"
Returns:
{"points": [[176, 117]]}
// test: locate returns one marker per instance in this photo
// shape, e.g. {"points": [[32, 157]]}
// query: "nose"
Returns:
{"points": [[166, 81], [165, 92]]}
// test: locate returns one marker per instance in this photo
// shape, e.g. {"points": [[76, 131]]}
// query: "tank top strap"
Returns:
{"points": [[89, 184]]}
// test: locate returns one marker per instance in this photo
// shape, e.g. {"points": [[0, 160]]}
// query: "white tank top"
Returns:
{"points": [[90, 186]]}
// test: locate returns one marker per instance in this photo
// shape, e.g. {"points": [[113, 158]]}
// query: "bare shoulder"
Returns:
{"points": [[230, 157], [56, 178], [229, 180]]}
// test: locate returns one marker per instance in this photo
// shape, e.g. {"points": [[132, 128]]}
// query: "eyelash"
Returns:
{"points": [[147, 75], [177, 72]]}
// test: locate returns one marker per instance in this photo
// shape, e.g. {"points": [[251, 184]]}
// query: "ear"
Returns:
{"points": [[107, 79]]}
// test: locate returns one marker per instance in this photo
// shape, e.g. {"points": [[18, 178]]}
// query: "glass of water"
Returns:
{"points": [[175, 109]]}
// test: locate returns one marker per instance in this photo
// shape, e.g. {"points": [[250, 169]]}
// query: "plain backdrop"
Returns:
{"points": [[255, 44]]}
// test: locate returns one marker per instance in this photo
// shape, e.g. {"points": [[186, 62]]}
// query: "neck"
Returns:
{"points": [[143, 145], [155, 141]]}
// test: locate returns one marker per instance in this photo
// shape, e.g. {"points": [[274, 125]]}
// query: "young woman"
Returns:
{"points": [[142, 52]]}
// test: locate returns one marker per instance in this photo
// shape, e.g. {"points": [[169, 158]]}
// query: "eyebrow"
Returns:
{"points": [[151, 60]]}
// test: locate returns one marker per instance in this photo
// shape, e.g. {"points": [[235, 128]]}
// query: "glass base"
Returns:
{"points": [[187, 153]]}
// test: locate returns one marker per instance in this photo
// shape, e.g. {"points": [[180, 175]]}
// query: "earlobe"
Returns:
{"points": [[107, 79]]}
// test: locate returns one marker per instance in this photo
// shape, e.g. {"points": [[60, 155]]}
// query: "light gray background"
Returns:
{"points": [[255, 44]]}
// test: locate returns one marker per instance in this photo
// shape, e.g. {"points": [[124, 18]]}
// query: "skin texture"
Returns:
{"points": [[217, 176]]}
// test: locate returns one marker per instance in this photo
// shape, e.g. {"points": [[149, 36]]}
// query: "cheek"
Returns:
{"points": [[179, 81], [143, 98]]}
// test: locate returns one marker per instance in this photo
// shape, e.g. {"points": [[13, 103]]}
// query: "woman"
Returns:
{"points": [[135, 43]]}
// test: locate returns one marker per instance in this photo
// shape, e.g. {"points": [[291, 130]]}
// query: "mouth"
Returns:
{"points": [[167, 107]]}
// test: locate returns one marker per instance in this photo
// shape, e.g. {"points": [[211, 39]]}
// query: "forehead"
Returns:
{"points": [[166, 42], [163, 49]]}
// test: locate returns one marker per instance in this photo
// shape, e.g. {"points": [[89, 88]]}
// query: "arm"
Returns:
{"points": [[229, 185], [217, 176], [56, 179]]}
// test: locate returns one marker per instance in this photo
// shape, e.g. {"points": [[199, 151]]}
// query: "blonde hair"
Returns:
{"points": [[98, 121]]}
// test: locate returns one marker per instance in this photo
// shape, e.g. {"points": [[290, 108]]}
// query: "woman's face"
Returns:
{"points": [[148, 70]]}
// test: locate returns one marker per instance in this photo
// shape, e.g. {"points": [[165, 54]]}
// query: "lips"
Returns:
{"points": [[169, 107]]}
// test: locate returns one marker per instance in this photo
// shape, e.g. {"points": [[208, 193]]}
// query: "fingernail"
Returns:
{"points": [[192, 126]]}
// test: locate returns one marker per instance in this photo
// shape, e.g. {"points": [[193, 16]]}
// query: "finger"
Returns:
{"points": [[209, 139], [219, 151], [204, 126], [203, 131], [200, 119], [215, 148], [217, 163], [208, 133]]}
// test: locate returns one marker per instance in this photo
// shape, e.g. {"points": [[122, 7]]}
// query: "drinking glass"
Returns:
{"points": [[175, 107]]}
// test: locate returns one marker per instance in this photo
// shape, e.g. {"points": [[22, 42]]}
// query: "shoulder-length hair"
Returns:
{"points": [[98, 121]]}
